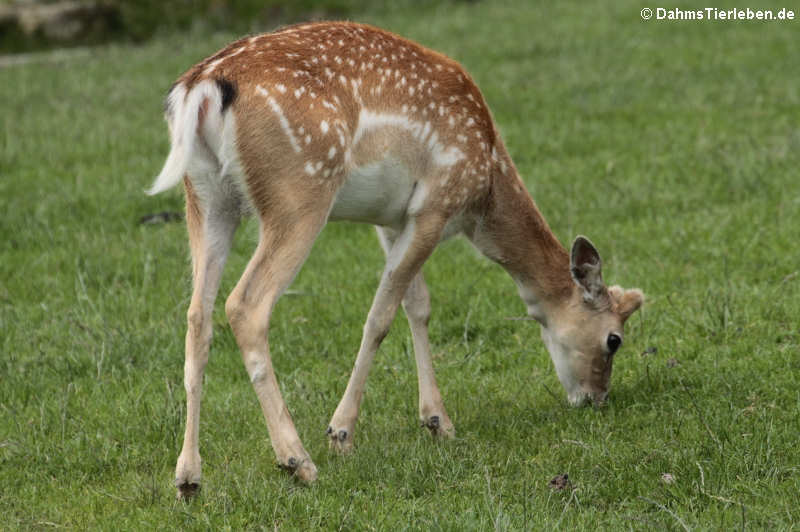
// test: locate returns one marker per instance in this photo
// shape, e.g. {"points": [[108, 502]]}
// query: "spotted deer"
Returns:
{"points": [[343, 121]]}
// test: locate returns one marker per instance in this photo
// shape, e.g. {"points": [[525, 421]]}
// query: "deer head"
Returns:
{"points": [[586, 329]]}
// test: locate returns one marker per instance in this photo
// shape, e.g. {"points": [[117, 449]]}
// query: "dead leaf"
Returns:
{"points": [[560, 482], [652, 350]]}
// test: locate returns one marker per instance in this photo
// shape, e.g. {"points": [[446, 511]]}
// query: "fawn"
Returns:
{"points": [[343, 121]]}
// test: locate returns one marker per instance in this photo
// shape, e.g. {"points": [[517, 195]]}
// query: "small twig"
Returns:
{"points": [[466, 328], [716, 497], [347, 512], [296, 293], [9, 443], [554, 396], [722, 499], [525, 506], [648, 522], [700, 415], [670, 512], [702, 476], [742, 517], [160, 218]]}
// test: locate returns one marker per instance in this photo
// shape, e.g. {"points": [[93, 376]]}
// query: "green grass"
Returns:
{"points": [[674, 146]]}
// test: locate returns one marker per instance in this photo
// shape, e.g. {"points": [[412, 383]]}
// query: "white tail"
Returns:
{"points": [[186, 115], [332, 121]]}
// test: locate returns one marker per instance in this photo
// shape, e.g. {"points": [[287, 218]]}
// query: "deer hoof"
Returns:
{"points": [[302, 468], [440, 426], [187, 490], [340, 441]]}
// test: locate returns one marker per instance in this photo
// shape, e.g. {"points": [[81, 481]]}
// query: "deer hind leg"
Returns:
{"points": [[287, 233], [417, 305], [405, 258], [211, 228]]}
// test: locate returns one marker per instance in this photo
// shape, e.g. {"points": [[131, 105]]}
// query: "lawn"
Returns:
{"points": [[673, 145]]}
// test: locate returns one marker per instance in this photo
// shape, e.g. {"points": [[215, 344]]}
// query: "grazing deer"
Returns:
{"points": [[343, 121]]}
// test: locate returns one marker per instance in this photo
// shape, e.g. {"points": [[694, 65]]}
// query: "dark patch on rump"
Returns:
{"points": [[228, 90], [226, 87]]}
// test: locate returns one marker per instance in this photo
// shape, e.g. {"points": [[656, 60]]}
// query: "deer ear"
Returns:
{"points": [[585, 265]]}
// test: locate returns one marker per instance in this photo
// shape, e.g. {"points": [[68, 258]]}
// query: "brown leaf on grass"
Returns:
{"points": [[560, 482]]}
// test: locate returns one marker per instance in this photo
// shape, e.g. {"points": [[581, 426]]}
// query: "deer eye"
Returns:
{"points": [[613, 342]]}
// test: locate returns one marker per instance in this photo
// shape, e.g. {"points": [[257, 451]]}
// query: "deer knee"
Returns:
{"points": [[417, 304], [236, 311], [199, 323], [418, 312], [376, 329], [249, 326]]}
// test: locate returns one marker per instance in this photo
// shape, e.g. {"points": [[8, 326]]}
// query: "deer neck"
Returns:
{"points": [[513, 233]]}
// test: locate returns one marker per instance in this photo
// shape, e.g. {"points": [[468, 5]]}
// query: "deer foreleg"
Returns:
{"points": [[405, 258], [417, 306]]}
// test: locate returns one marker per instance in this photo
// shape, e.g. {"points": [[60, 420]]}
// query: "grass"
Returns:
{"points": [[674, 146]]}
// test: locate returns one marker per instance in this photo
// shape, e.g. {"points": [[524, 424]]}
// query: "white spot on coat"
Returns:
{"points": [[442, 156], [281, 117]]}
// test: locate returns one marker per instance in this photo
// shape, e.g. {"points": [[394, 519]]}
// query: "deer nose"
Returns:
{"points": [[598, 399], [578, 399]]}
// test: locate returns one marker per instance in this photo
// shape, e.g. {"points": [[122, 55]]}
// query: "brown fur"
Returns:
{"points": [[528, 247], [286, 59]]}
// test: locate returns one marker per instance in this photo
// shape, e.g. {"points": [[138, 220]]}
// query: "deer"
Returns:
{"points": [[331, 121]]}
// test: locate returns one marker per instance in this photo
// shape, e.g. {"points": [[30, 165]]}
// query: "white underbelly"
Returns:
{"points": [[376, 193]]}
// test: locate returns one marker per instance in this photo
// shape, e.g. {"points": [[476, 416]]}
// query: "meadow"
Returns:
{"points": [[674, 146]]}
